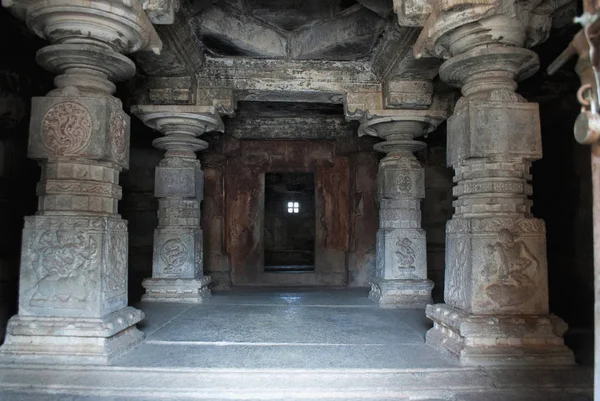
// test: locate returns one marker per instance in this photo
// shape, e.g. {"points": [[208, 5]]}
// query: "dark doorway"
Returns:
{"points": [[289, 222]]}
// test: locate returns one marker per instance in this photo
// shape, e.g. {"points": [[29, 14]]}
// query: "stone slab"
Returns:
{"points": [[498, 340], [66, 340], [401, 293], [176, 290]]}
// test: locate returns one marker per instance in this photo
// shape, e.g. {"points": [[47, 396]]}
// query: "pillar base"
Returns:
{"points": [[193, 291], [401, 293], [486, 340], [69, 340]]}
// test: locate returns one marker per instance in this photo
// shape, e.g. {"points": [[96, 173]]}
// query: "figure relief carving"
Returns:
{"points": [[118, 125], [66, 128], [513, 270], [456, 285], [174, 254], [115, 271], [405, 254], [64, 264]]}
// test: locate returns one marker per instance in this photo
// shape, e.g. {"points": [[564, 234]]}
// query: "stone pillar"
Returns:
{"points": [[73, 279], [401, 261], [496, 293], [177, 268]]}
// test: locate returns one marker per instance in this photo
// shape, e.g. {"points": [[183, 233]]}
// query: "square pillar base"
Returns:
{"points": [[194, 291], [71, 340], [401, 293], [488, 340]]}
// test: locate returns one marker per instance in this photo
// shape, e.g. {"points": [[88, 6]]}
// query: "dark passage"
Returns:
{"points": [[289, 222]]}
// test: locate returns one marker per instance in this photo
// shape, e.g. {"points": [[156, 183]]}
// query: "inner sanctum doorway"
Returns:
{"points": [[289, 226]]}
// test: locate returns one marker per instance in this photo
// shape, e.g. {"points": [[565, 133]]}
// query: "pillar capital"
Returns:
{"points": [[492, 22], [88, 40], [180, 125], [392, 124], [120, 25], [180, 120]]}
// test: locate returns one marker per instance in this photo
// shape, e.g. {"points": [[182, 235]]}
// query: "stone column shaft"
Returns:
{"points": [[496, 293], [401, 261], [177, 268], [73, 283]]}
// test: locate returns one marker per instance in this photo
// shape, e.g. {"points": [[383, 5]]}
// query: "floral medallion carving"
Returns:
{"points": [[66, 128], [174, 254], [118, 126]]}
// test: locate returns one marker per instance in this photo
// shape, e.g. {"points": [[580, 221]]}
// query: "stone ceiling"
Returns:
{"points": [[221, 52], [288, 29]]}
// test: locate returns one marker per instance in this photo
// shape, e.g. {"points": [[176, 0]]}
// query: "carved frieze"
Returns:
{"points": [[115, 271], [495, 224], [118, 135]]}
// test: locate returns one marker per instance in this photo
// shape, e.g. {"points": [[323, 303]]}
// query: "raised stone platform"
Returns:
{"points": [[284, 345]]}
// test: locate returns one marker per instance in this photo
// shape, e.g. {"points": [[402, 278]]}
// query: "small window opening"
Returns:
{"points": [[293, 207]]}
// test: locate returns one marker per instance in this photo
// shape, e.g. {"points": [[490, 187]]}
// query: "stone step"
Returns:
{"points": [[103, 383]]}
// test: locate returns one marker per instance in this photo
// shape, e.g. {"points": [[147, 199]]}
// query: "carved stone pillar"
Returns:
{"points": [[73, 282], [401, 262], [177, 268], [496, 295]]}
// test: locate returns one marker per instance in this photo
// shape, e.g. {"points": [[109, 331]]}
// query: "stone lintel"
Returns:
{"points": [[400, 94], [172, 90]]}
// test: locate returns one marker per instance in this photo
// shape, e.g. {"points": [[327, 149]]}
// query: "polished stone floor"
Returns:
{"points": [[252, 344], [270, 329]]}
